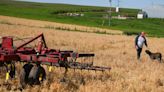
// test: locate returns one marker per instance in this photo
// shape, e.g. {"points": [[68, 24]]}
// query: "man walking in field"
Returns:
{"points": [[139, 41]]}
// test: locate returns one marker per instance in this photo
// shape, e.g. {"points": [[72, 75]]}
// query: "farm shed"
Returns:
{"points": [[142, 15]]}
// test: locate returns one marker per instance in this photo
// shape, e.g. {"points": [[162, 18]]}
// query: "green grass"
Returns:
{"points": [[93, 16], [153, 27]]}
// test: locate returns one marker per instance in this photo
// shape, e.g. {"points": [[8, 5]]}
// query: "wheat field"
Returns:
{"points": [[115, 51]]}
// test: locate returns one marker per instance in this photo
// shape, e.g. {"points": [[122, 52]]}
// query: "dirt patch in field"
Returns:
{"points": [[53, 25]]}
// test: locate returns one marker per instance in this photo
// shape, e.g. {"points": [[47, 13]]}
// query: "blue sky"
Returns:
{"points": [[123, 3]]}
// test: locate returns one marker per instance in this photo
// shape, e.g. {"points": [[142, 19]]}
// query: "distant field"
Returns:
{"points": [[93, 16]]}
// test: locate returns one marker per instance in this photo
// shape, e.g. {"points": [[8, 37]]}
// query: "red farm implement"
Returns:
{"points": [[41, 54]]}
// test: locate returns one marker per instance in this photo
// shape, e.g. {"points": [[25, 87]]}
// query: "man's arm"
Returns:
{"points": [[136, 41], [145, 42]]}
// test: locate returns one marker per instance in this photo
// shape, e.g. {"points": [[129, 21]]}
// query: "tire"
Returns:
{"points": [[36, 73], [32, 75], [27, 68], [41, 75], [24, 74], [12, 70], [22, 78]]}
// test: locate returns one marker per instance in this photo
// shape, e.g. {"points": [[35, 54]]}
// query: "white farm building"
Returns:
{"points": [[142, 15]]}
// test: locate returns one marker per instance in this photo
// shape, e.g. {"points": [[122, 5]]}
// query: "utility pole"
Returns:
{"points": [[118, 3], [110, 12], [118, 6]]}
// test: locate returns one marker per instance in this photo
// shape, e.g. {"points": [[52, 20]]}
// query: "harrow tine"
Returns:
{"points": [[83, 66], [91, 68]]}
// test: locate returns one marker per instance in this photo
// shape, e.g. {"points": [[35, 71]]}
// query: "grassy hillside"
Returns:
{"points": [[93, 16]]}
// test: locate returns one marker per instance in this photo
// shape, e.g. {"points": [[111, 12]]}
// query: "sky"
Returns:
{"points": [[139, 4]]}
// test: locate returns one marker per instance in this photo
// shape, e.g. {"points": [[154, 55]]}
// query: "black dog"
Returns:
{"points": [[154, 56]]}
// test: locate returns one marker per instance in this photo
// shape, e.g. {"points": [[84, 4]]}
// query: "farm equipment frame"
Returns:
{"points": [[43, 55]]}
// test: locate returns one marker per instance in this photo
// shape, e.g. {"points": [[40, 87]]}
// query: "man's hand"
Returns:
{"points": [[136, 47]]}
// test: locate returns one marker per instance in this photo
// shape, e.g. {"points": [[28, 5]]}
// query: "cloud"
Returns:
{"points": [[155, 11]]}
